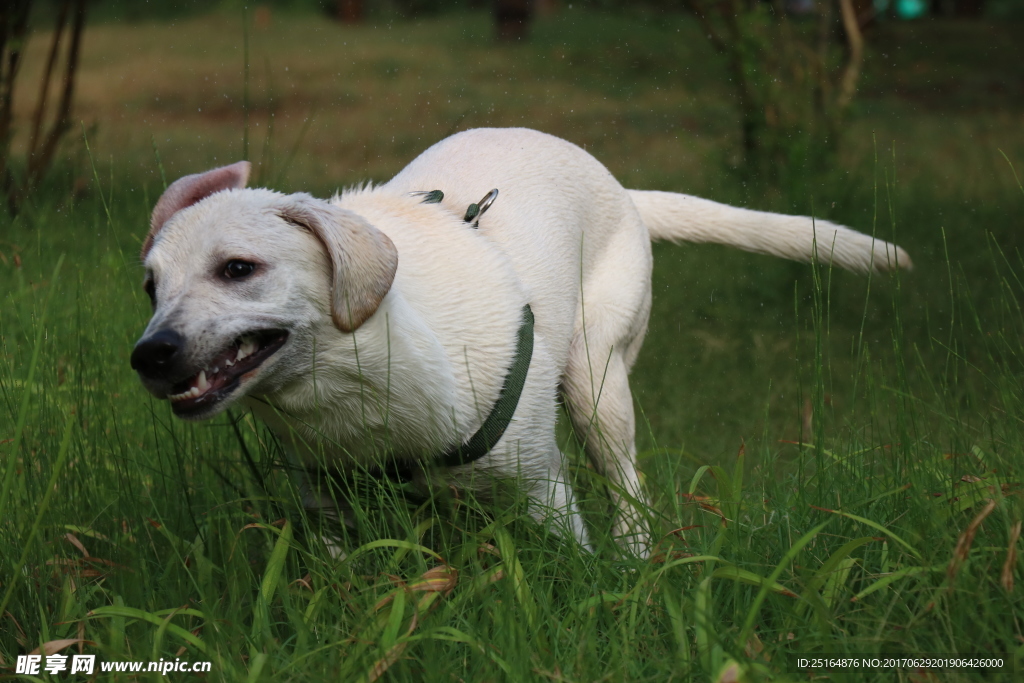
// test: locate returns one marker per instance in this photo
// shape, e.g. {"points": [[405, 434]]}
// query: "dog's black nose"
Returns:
{"points": [[155, 355]]}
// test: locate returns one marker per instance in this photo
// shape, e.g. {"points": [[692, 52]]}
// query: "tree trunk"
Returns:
{"points": [[547, 8], [13, 33], [512, 19], [41, 151], [969, 8], [43, 142], [350, 11], [865, 12]]}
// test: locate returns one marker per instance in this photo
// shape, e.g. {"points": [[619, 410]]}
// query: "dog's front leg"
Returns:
{"points": [[326, 509], [553, 504]]}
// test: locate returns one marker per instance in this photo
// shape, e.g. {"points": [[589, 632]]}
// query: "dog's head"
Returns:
{"points": [[236, 276]]}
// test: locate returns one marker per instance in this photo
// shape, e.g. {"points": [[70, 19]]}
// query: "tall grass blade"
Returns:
{"points": [[268, 586], [120, 611], [892, 578], [874, 525], [26, 397], [41, 508], [770, 582]]}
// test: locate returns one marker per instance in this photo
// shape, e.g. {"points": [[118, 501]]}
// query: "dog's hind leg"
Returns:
{"points": [[615, 303], [609, 334], [602, 414]]}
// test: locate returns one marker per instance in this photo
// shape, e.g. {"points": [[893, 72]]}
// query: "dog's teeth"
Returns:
{"points": [[229, 362], [190, 393], [247, 348], [215, 370], [202, 385]]}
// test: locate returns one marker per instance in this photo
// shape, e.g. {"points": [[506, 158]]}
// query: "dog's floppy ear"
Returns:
{"points": [[192, 189], [363, 259]]}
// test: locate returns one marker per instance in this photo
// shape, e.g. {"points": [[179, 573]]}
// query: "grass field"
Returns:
{"points": [[892, 529]]}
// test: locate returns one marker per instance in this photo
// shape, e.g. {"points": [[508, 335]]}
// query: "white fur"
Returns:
{"points": [[420, 374], [682, 218]]}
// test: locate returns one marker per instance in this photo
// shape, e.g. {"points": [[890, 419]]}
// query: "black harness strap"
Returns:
{"points": [[493, 427], [501, 414]]}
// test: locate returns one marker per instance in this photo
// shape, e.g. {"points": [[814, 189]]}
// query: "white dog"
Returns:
{"points": [[382, 326]]}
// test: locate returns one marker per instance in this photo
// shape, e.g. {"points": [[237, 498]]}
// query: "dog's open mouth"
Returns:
{"points": [[221, 376]]}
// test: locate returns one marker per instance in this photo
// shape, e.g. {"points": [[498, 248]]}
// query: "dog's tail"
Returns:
{"points": [[682, 218]]}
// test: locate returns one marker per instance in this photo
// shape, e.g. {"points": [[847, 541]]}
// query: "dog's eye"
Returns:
{"points": [[150, 288], [236, 268]]}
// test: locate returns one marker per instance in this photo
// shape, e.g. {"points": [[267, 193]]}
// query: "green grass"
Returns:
{"points": [[905, 392]]}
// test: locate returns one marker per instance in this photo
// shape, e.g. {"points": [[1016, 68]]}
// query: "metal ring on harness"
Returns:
{"points": [[474, 211]]}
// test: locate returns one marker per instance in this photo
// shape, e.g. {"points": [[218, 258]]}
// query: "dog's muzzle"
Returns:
{"points": [[158, 356], [198, 387]]}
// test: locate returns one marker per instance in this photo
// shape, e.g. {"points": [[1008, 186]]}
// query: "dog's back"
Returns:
{"points": [[563, 220]]}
